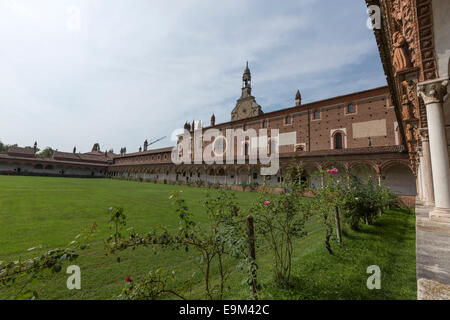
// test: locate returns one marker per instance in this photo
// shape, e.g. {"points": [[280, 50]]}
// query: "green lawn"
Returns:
{"points": [[51, 211]]}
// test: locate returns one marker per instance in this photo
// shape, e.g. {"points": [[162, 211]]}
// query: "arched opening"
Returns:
{"points": [[338, 140], [287, 120], [399, 178], [350, 108], [364, 172]]}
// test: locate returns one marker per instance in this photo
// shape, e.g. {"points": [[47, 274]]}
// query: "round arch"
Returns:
{"points": [[399, 178]]}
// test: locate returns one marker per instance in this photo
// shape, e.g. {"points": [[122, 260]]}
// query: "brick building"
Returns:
{"points": [[359, 130]]}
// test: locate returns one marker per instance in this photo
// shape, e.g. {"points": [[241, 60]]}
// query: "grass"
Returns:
{"points": [[51, 211]]}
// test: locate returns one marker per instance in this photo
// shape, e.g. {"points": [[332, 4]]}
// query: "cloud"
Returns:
{"points": [[137, 70]]}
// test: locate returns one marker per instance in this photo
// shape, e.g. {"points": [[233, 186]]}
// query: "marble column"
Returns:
{"points": [[432, 92], [419, 180], [426, 169]]}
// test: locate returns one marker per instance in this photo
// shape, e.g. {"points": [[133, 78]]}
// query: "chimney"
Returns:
{"points": [[35, 147], [74, 150], [145, 145], [213, 120]]}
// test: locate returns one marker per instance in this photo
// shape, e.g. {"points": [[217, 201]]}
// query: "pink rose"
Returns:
{"points": [[332, 171], [267, 202]]}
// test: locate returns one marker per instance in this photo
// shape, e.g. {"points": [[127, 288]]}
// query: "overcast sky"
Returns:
{"points": [[73, 73]]}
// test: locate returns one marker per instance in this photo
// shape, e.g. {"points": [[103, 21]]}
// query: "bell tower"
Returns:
{"points": [[246, 83], [246, 106]]}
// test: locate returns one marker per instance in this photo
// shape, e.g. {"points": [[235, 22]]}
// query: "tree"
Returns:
{"points": [[3, 147], [46, 153]]}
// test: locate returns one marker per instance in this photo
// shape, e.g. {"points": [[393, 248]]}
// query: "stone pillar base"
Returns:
{"points": [[428, 204], [440, 215]]}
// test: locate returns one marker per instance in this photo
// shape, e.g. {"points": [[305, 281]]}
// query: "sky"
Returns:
{"points": [[117, 72]]}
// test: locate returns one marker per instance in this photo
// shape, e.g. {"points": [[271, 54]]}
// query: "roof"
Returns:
{"points": [[25, 152], [153, 151], [51, 161], [81, 157]]}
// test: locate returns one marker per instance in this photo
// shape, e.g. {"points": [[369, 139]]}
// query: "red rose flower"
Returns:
{"points": [[128, 279]]}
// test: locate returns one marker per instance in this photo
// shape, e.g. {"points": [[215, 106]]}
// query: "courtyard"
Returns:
{"points": [[51, 211]]}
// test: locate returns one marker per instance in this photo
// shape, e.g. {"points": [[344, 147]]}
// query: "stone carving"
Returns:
{"points": [[404, 24], [406, 112], [424, 134], [409, 112], [409, 134], [433, 92], [399, 57]]}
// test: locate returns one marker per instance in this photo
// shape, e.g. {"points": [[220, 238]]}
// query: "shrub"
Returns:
{"points": [[280, 221]]}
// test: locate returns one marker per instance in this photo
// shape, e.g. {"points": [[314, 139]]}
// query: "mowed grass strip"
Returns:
{"points": [[52, 211]]}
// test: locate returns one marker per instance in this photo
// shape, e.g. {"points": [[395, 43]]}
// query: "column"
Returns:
{"points": [[426, 170], [432, 92], [419, 179]]}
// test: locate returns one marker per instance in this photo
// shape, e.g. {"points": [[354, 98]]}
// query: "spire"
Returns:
{"points": [[246, 77], [213, 120], [298, 99], [246, 83]]}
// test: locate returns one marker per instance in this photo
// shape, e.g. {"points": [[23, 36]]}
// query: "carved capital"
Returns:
{"points": [[432, 91]]}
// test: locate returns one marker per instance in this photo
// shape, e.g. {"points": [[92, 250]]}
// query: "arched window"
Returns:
{"points": [[264, 124], [338, 140], [288, 120], [245, 127], [350, 108], [316, 114]]}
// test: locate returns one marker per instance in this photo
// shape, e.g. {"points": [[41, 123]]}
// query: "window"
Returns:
{"points": [[316, 114], [273, 147], [245, 127], [246, 149], [287, 120], [338, 140], [264, 124], [219, 145], [255, 175], [350, 108]]}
